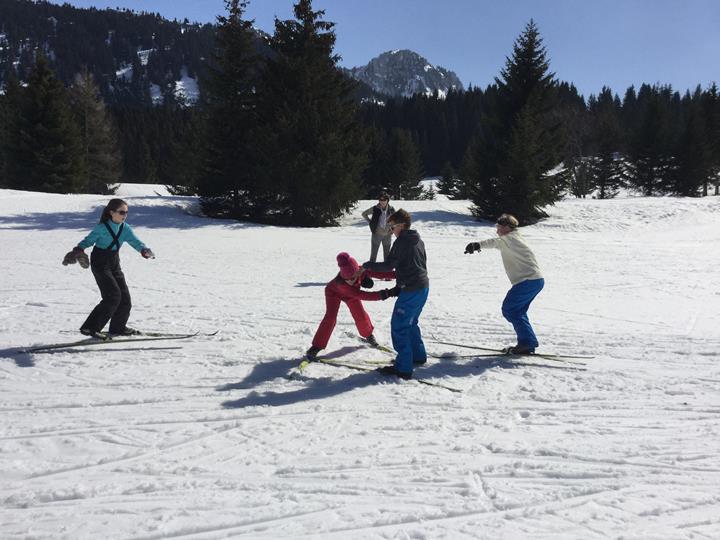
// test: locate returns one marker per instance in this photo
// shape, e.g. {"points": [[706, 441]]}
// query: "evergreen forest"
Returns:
{"points": [[278, 133]]}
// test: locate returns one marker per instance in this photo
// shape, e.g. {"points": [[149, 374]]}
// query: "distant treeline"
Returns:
{"points": [[279, 134]]}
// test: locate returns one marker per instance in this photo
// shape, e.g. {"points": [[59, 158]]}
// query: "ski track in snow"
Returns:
{"points": [[220, 437]]}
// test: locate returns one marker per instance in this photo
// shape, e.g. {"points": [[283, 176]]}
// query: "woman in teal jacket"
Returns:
{"points": [[107, 237]]}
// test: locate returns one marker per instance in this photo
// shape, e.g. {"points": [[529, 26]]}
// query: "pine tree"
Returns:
{"points": [[524, 135], [9, 104], [693, 153], [471, 181], [100, 154], [651, 169], [711, 112], [404, 168], [607, 169], [375, 175], [44, 151], [448, 183], [582, 182], [227, 181], [310, 144]]}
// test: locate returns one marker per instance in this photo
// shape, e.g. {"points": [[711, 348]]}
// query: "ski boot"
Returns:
{"points": [[392, 370], [370, 340], [126, 332], [519, 349], [94, 334]]}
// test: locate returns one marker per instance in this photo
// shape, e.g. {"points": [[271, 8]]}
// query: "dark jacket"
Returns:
{"points": [[375, 219], [407, 257]]}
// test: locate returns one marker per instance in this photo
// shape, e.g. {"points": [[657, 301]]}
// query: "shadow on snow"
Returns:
{"points": [[162, 216], [325, 387]]}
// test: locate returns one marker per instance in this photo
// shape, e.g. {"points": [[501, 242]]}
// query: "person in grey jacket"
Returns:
{"points": [[377, 216], [409, 261]]}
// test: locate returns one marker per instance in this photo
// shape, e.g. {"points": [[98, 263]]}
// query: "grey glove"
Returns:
{"points": [[77, 255]]}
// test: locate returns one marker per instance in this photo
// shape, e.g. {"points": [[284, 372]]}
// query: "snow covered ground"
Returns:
{"points": [[215, 438]]}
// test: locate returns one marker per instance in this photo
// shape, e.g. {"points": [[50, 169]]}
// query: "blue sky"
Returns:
{"points": [[590, 43]]}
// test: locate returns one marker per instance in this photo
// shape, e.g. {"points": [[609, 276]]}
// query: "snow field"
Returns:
{"points": [[218, 437]]}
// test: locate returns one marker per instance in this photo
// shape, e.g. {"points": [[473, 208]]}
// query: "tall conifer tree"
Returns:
{"points": [[607, 168], [693, 149], [711, 112], [311, 146], [524, 136], [404, 167], [227, 180], [652, 165], [44, 151], [100, 155]]}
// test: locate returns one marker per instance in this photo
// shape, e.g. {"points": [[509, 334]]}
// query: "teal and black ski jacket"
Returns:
{"points": [[102, 238]]}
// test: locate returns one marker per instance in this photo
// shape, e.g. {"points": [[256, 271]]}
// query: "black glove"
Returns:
{"points": [[367, 282], [366, 264], [472, 247], [387, 293], [147, 253]]}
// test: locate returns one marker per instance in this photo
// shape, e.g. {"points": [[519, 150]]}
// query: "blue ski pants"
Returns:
{"points": [[515, 308], [406, 337]]}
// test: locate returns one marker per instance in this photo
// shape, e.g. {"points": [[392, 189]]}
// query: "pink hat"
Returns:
{"points": [[348, 265]]}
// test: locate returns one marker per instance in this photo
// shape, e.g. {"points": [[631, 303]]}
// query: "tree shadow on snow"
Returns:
{"points": [[161, 216], [446, 217]]}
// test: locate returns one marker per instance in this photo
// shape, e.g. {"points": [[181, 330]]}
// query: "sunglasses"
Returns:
{"points": [[121, 212]]}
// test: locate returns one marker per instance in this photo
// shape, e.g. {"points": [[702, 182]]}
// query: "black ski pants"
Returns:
{"points": [[115, 304]]}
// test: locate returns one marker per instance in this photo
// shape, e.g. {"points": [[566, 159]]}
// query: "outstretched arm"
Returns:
{"points": [[380, 275]]}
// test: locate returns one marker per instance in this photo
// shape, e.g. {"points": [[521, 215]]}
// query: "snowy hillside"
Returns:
{"points": [[217, 437]]}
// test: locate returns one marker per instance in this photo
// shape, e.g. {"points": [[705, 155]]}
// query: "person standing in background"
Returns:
{"points": [[377, 216]]}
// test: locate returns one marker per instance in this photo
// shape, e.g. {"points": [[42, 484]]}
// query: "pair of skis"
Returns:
{"points": [[492, 352], [574, 360], [88, 342], [360, 367]]}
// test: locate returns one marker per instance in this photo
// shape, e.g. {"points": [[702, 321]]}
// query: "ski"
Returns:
{"points": [[177, 335], [378, 347], [142, 333], [560, 357], [369, 369], [451, 355], [94, 342], [514, 360]]}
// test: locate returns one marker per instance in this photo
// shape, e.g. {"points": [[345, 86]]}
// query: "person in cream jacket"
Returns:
{"points": [[524, 273]]}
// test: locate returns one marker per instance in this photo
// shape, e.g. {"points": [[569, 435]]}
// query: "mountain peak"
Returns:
{"points": [[403, 73]]}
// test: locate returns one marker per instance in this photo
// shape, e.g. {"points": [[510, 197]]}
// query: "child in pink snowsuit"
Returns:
{"points": [[346, 288]]}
